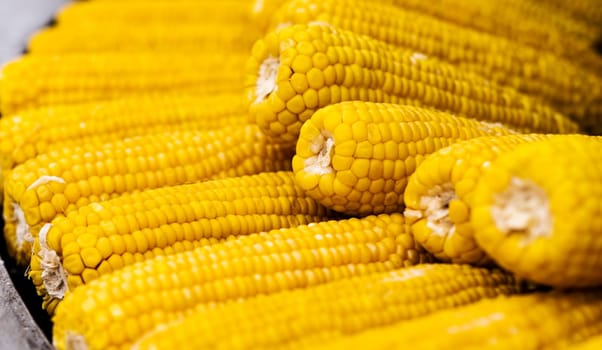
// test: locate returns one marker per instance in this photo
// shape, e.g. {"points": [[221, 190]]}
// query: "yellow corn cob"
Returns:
{"points": [[61, 181], [223, 37], [526, 22], [251, 12], [103, 237], [438, 194], [536, 211], [593, 343], [552, 320], [132, 301], [309, 317], [27, 134], [147, 12], [543, 75], [40, 80], [297, 70], [588, 11], [355, 157]]}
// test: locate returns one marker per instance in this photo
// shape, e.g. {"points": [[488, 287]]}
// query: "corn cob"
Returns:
{"points": [[103, 237], [25, 135], [132, 301], [526, 22], [308, 317], [41, 80], [438, 194], [536, 211], [593, 343], [66, 179], [552, 320], [355, 157], [588, 11], [149, 12], [556, 81], [294, 71], [221, 37], [251, 12]]}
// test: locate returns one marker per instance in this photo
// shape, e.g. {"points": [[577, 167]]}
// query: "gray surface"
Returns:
{"points": [[18, 330], [18, 20]]}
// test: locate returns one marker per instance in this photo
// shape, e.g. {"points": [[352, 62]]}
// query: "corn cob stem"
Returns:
{"points": [[91, 174], [309, 317], [355, 157], [439, 192], [557, 81], [297, 70], [536, 211], [533, 321], [165, 288], [103, 237], [41, 80]]}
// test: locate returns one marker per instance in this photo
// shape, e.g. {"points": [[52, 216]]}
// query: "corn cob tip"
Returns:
{"points": [[54, 276], [523, 207]]}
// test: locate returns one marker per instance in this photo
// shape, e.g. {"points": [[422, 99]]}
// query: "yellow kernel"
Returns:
{"points": [[301, 64], [299, 82], [296, 104], [47, 211], [320, 60], [310, 99], [90, 256], [89, 275], [315, 78], [73, 264]]}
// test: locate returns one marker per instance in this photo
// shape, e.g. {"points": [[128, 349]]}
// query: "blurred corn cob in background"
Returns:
{"points": [[139, 297], [309, 317], [535, 321], [27, 134]]}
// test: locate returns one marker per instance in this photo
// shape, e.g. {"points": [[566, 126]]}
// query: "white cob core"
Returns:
{"points": [[435, 208], [266, 79], [321, 163], [22, 233], [523, 208], [53, 274]]}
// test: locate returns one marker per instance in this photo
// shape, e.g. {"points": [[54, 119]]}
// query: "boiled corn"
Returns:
{"points": [[295, 71], [41, 80], [536, 211], [558, 82], [61, 181], [304, 318], [355, 157], [552, 320], [114, 310], [438, 193], [103, 237]]}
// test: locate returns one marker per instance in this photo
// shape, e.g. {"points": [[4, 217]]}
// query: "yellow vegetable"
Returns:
{"points": [[537, 212], [305, 318], [63, 180], [297, 70], [103, 237], [439, 192], [552, 320], [115, 310], [355, 157]]}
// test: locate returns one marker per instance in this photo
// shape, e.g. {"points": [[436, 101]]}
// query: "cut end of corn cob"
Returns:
{"points": [[53, 274], [523, 208], [355, 157], [266, 80]]}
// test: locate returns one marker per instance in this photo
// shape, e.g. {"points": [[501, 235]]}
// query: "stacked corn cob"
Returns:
{"points": [[295, 173]]}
